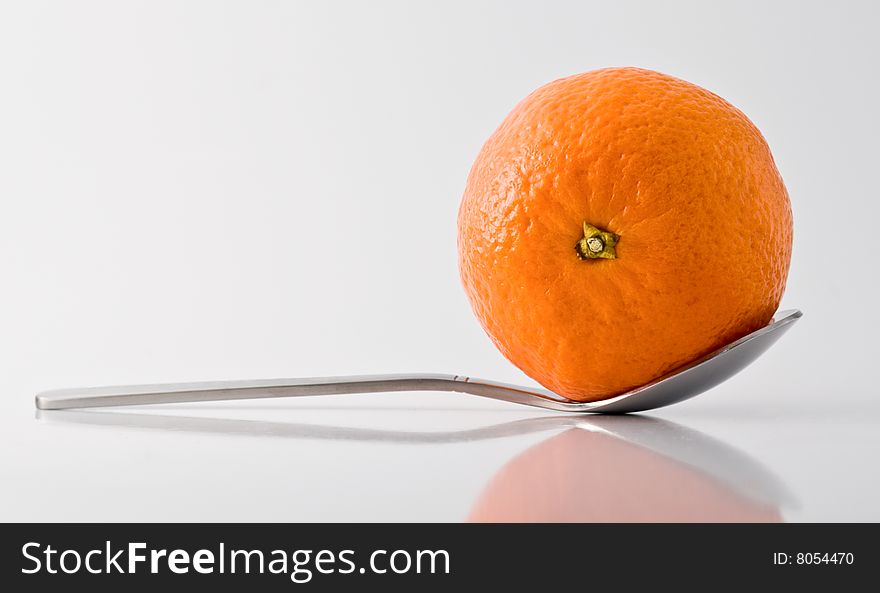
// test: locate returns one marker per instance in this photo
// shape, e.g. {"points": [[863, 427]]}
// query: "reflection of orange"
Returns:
{"points": [[619, 224], [581, 476]]}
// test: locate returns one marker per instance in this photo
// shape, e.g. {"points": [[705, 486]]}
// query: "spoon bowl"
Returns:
{"points": [[683, 383]]}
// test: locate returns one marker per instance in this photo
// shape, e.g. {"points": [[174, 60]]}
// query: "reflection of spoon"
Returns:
{"points": [[704, 459], [681, 384], [296, 430], [658, 472]]}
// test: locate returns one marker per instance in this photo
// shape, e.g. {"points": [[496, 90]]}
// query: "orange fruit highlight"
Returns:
{"points": [[619, 224]]}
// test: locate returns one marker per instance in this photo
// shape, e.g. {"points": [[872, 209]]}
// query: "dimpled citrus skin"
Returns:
{"points": [[686, 181]]}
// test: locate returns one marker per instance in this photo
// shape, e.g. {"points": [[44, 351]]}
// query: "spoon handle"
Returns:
{"points": [[171, 393]]}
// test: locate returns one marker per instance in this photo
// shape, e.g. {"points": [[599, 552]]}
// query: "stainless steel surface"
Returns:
{"points": [[681, 384]]}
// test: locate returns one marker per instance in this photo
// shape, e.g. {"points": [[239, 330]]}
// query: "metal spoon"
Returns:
{"points": [[678, 385]]}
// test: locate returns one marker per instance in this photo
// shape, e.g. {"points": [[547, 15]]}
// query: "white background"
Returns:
{"points": [[213, 190]]}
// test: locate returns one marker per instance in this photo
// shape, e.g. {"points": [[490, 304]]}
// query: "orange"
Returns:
{"points": [[618, 224]]}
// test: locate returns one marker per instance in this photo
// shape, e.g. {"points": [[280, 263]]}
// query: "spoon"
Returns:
{"points": [[683, 383]]}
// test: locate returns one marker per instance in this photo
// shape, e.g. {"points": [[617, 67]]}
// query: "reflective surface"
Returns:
{"points": [[593, 475], [594, 469], [452, 458]]}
